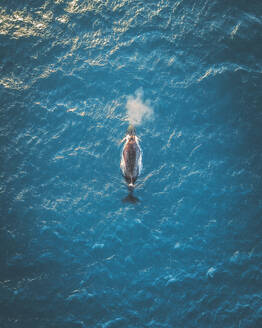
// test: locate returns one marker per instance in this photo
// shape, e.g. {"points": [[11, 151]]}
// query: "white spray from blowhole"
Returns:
{"points": [[138, 110]]}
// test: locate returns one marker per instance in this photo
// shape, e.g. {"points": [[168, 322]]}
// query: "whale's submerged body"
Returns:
{"points": [[131, 159]]}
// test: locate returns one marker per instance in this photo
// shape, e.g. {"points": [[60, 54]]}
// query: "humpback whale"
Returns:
{"points": [[131, 158]]}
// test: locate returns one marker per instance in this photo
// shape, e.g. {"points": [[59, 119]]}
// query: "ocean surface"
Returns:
{"points": [[79, 251]]}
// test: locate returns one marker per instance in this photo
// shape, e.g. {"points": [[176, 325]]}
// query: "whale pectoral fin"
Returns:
{"points": [[122, 141]]}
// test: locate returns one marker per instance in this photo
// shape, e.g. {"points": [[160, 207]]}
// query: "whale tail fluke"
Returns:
{"points": [[130, 198]]}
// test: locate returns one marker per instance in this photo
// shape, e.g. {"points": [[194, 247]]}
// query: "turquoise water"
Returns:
{"points": [[76, 250]]}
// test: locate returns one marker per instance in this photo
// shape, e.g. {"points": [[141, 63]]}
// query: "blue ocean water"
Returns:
{"points": [[75, 253]]}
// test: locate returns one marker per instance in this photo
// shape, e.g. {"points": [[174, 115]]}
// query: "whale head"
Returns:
{"points": [[131, 130]]}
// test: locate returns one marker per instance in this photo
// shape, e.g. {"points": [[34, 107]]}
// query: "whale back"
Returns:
{"points": [[131, 154]]}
